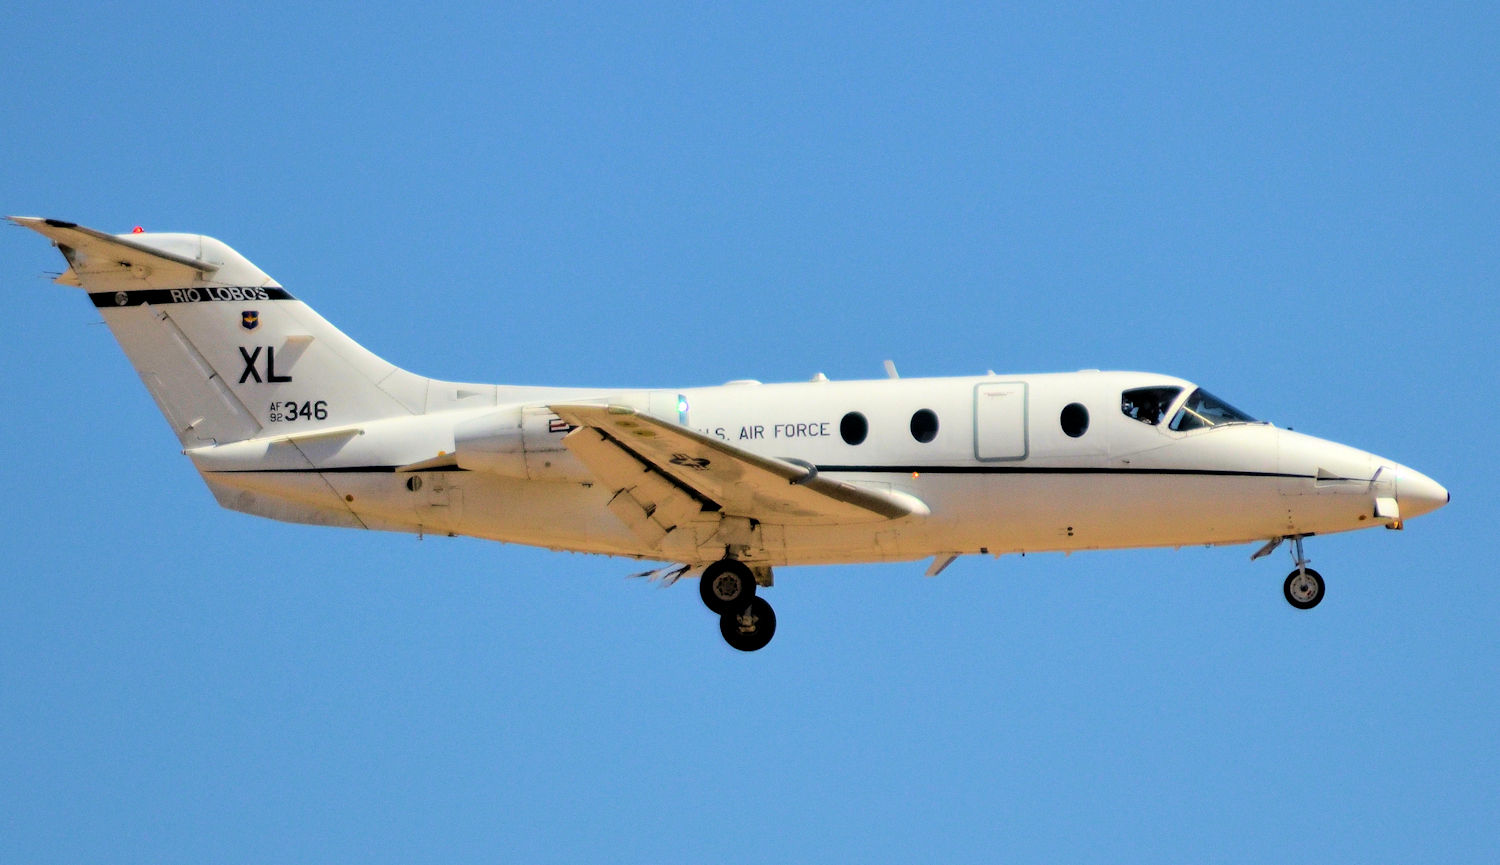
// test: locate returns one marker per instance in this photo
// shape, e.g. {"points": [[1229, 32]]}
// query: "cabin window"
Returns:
{"points": [[1074, 419], [854, 428], [1148, 404], [1203, 409], [924, 425]]}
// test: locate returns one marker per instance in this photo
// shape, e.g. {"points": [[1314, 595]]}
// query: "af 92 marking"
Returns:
{"points": [[291, 410]]}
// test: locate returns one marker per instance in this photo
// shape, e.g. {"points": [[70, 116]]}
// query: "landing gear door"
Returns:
{"points": [[1000, 421]]}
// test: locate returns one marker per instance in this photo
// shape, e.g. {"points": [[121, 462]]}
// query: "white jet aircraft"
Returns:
{"points": [[286, 417]]}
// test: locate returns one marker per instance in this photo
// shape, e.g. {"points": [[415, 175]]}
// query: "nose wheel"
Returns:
{"points": [[746, 621], [1304, 586]]}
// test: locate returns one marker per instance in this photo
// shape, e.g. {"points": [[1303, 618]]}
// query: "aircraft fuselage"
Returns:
{"points": [[995, 478]]}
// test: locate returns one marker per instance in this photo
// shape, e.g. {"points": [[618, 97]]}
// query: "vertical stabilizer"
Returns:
{"points": [[226, 352]]}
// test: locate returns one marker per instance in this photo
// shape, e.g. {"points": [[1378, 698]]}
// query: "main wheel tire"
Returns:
{"points": [[726, 585], [1303, 588], [751, 628]]}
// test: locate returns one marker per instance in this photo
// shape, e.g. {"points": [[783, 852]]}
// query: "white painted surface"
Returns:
{"points": [[759, 470]]}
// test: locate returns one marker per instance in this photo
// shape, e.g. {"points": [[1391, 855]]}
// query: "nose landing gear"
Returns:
{"points": [[1304, 587], [727, 588]]}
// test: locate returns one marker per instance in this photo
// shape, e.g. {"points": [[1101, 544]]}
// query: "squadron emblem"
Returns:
{"points": [[249, 319]]}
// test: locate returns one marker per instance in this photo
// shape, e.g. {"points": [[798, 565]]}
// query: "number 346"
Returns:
{"points": [[301, 411]]}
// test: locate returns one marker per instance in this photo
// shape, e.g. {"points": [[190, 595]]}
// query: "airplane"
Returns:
{"points": [[285, 417]]}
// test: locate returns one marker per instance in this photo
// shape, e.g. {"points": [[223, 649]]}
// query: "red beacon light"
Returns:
{"points": [[137, 230]]}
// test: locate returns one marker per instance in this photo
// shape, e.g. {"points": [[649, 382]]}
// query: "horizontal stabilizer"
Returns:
{"points": [[169, 260]]}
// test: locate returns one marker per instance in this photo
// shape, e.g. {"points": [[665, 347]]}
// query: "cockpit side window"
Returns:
{"points": [[1203, 409], [1148, 404]]}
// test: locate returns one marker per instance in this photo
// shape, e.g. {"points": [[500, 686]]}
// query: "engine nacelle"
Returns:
{"points": [[518, 442]]}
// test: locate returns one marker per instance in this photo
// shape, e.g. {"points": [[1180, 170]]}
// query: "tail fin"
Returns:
{"points": [[224, 350]]}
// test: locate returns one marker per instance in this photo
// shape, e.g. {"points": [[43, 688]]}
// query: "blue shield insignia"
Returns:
{"points": [[249, 319]]}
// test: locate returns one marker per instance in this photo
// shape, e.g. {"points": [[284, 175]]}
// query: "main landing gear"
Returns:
{"points": [[1304, 587], [747, 622]]}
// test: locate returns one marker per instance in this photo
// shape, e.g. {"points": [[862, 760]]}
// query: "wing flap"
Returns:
{"points": [[645, 500], [654, 458]]}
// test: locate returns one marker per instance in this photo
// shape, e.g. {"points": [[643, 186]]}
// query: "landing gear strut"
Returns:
{"points": [[727, 588], [1304, 586]]}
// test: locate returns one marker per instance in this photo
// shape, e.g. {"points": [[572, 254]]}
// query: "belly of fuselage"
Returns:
{"points": [[1019, 511]]}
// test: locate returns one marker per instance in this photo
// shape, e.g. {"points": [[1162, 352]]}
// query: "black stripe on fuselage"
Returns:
{"points": [[903, 470], [211, 294], [1051, 470], [343, 470]]}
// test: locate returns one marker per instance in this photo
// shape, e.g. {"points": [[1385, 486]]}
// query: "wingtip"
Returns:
{"points": [[37, 223]]}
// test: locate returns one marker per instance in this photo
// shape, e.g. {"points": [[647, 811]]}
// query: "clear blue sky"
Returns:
{"points": [[1295, 206]]}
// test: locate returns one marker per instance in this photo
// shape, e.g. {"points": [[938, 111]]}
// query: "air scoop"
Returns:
{"points": [[1387, 506]]}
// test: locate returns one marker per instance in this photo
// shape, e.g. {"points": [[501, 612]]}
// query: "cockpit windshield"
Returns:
{"points": [[1203, 409], [1148, 404]]}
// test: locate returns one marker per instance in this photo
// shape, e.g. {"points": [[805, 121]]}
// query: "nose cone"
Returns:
{"points": [[1417, 493]]}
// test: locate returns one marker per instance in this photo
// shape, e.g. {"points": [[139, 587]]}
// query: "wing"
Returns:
{"points": [[669, 470]]}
